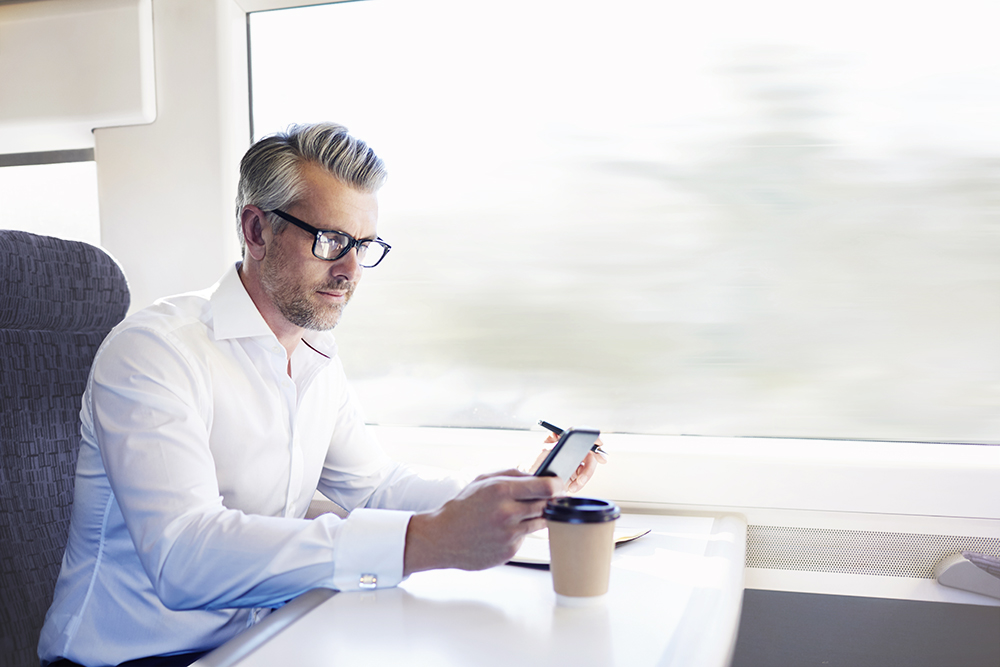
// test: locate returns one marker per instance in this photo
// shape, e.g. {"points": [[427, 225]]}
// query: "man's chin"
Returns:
{"points": [[323, 323], [324, 326], [329, 317], [315, 319]]}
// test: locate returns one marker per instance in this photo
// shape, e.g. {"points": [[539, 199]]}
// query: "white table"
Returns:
{"points": [[674, 599]]}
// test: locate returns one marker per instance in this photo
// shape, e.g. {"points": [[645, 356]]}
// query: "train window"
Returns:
{"points": [[54, 199], [767, 218]]}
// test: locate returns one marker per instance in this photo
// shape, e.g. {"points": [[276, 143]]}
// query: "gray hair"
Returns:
{"points": [[270, 172]]}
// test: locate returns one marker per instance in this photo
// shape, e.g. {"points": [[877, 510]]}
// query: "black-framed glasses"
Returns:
{"points": [[331, 245]]}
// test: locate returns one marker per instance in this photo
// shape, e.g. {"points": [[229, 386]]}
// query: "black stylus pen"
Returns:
{"points": [[558, 431]]}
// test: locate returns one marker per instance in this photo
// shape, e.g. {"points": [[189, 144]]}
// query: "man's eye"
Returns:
{"points": [[334, 242]]}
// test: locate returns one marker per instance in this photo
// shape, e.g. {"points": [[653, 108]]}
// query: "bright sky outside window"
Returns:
{"points": [[723, 218]]}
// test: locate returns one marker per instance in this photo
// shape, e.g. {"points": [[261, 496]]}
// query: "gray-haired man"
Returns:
{"points": [[212, 418]]}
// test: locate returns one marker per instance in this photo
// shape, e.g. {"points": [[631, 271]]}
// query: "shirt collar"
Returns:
{"points": [[233, 311], [236, 316]]}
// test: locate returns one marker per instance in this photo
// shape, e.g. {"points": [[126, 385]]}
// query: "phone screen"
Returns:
{"points": [[568, 453]]}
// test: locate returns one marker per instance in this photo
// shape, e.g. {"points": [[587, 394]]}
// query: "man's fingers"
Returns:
{"points": [[533, 525], [528, 510], [510, 472], [535, 488]]}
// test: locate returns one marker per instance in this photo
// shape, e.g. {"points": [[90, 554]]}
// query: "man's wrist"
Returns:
{"points": [[419, 552]]}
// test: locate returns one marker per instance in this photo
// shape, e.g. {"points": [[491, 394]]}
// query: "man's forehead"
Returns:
{"points": [[333, 203]]}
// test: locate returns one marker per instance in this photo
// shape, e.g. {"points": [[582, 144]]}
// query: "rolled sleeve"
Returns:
{"points": [[369, 550]]}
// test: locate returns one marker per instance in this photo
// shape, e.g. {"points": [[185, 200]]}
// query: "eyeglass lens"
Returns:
{"points": [[333, 245]]}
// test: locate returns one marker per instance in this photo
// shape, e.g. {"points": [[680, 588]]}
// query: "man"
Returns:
{"points": [[210, 420]]}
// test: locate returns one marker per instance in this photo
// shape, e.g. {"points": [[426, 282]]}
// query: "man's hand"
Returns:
{"points": [[483, 526], [583, 472]]}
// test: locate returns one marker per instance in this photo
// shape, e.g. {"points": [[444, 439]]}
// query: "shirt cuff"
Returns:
{"points": [[369, 550]]}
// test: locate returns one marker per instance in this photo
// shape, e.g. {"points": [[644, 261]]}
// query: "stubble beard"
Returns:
{"points": [[298, 303]]}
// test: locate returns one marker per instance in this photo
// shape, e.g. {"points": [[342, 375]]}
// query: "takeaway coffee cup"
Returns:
{"points": [[581, 540]]}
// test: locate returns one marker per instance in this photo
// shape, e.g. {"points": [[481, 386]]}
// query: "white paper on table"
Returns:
{"points": [[535, 548]]}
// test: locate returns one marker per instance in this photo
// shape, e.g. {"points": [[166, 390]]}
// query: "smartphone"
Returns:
{"points": [[568, 453]]}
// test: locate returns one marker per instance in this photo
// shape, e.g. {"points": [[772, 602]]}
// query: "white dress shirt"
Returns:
{"points": [[198, 460]]}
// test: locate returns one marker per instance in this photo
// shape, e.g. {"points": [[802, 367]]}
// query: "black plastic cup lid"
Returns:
{"points": [[581, 510]]}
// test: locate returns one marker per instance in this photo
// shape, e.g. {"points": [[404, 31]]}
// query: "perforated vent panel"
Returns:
{"points": [[857, 551]]}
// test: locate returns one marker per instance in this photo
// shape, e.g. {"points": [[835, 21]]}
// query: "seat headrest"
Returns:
{"points": [[52, 284]]}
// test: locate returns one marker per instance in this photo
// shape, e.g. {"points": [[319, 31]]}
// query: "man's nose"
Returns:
{"points": [[347, 266]]}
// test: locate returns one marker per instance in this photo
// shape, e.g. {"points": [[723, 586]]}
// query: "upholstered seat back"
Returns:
{"points": [[58, 300]]}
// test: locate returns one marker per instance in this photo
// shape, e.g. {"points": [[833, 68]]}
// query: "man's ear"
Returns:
{"points": [[253, 221]]}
